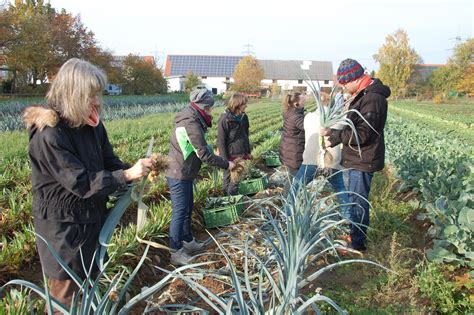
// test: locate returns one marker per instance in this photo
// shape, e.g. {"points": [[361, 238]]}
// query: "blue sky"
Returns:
{"points": [[298, 29]]}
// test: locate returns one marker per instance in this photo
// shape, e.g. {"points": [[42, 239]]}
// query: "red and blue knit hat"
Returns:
{"points": [[349, 70]]}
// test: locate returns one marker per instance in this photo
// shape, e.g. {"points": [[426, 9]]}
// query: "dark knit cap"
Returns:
{"points": [[202, 97], [349, 70]]}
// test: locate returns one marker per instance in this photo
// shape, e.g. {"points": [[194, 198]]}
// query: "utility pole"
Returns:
{"points": [[248, 51]]}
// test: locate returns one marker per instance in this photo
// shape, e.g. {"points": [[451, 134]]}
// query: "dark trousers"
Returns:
{"points": [[75, 243], [230, 188], [182, 203], [359, 183]]}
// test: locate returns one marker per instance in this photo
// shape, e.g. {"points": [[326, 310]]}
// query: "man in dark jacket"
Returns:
{"points": [[370, 100], [188, 149]]}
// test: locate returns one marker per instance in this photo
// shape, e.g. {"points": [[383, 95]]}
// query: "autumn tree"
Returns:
{"points": [[463, 54], [191, 81], [6, 28], [466, 82], [463, 61], [457, 75], [140, 77], [247, 75], [37, 40], [28, 51], [397, 61]]}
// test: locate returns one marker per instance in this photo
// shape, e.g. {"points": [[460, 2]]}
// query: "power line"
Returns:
{"points": [[248, 51]]}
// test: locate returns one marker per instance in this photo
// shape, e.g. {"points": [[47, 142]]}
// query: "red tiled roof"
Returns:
{"points": [[168, 67], [149, 59]]}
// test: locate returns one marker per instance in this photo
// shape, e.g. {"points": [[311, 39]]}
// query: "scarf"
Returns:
{"points": [[207, 118], [237, 118], [365, 82], [93, 119]]}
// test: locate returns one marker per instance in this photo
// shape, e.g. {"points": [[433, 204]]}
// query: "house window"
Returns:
{"points": [[204, 77], [300, 81], [227, 78], [274, 80], [326, 81]]}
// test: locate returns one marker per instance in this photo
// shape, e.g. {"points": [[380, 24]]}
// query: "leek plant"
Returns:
{"points": [[274, 273], [333, 115], [92, 298], [134, 193], [19, 302]]}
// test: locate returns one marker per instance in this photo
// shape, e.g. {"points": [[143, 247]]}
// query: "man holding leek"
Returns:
{"points": [[363, 151]]}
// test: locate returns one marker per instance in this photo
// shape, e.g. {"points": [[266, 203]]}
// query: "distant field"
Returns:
{"points": [[108, 99], [453, 119], [116, 107]]}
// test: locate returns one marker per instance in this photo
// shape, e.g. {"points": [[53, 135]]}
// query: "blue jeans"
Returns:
{"points": [[359, 182], [182, 203], [306, 175]]}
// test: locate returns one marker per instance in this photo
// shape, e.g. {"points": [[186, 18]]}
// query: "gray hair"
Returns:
{"points": [[73, 86]]}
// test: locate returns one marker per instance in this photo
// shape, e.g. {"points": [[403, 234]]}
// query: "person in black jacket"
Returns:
{"points": [[292, 138], [188, 149], [74, 169], [370, 99], [233, 137]]}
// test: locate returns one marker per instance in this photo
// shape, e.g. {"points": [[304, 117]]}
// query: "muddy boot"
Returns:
{"points": [[194, 247], [180, 257]]}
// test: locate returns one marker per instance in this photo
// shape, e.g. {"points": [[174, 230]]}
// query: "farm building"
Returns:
{"points": [[216, 72]]}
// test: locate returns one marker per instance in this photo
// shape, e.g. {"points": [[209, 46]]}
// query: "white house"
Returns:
{"points": [[216, 72]]}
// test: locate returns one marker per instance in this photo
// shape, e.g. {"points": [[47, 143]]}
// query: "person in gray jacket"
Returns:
{"points": [[188, 150]]}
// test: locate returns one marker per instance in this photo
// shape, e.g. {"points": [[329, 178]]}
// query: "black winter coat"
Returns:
{"points": [[292, 138], [73, 172], [372, 105], [233, 135], [190, 122]]}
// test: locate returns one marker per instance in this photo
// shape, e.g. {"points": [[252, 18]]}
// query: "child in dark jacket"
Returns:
{"points": [[188, 149], [74, 169], [233, 137]]}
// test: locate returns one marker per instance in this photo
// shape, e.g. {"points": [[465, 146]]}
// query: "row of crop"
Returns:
{"points": [[440, 169], [434, 117], [113, 109], [466, 134], [13, 105], [460, 114]]}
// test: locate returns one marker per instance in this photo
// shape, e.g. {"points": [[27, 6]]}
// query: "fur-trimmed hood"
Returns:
{"points": [[39, 117]]}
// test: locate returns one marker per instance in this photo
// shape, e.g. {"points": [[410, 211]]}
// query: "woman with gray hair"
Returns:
{"points": [[74, 169], [188, 149]]}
